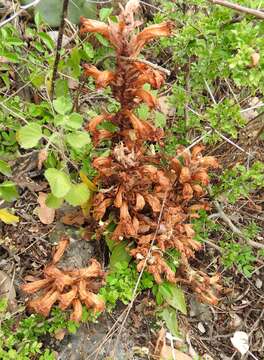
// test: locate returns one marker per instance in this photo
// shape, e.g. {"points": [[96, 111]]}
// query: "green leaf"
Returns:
{"points": [[143, 111], [74, 121], [108, 125], [5, 169], [61, 88], [28, 136], [104, 13], [119, 254], [7, 217], [78, 139], [48, 41], [59, 182], [78, 195], [174, 296], [88, 50], [74, 63], [3, 304], [8, 191], [102, 40], [53, 202], [169, 315], [160, 120], [72, 326], [62, 105]]}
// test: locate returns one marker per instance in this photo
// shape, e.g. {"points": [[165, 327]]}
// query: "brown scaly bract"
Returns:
{"points": [[135, 183], [69, 288]]}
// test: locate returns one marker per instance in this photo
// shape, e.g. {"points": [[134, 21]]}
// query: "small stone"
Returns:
{"points": [[201, 328], [258, 283]]}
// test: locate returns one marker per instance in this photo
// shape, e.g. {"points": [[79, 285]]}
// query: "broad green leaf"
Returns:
{"points": [[174, 296], [8, 191], [28, 136], [78, 194], [61, 88], [104, 13], [53, 202], [50, 10], [7, 217], [62, 105], [74, 121], [59, 182], [78, 139], [5, 169], [119, 254], [169, 315]]}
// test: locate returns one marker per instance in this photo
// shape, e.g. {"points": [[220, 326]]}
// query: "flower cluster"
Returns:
{"points": [[66, 287]]}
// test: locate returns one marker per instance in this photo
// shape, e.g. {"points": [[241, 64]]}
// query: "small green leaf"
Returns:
{"points": [[108, 125], [62, 105], [119, 254], [174, 296], [28, 136], [160, 120], [3, 304], [53, 202], [143, 111], [8, 191], [78, 139], [102, 40], [5, 169], [104, 13], [59, 182], [169, 315], [88, 50], [48, 41], [72, 326], [78, 194]]}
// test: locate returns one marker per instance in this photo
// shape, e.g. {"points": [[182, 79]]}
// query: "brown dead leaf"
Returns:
{"points": [[255, 57], [46, 215], [42, 156], [74, 218], [59, 334], [167, 354]]}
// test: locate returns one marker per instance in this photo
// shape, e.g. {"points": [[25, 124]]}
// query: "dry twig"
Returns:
{"points": [[243, 9]]}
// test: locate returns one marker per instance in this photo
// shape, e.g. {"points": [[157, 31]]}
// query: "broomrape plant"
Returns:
{"points": [[151, 196]]}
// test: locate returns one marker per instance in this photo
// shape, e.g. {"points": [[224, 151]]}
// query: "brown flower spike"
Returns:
{"points": [[140, 181], [69, 288]]}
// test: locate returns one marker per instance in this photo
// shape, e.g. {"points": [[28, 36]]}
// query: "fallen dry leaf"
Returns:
{"points": [[255, 57], [42, 156], [46, 215], [167, 354]]}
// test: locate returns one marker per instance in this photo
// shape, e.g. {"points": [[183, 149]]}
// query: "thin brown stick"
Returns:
{"points": [[59, 45], [234, 228], [257, 13]]}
